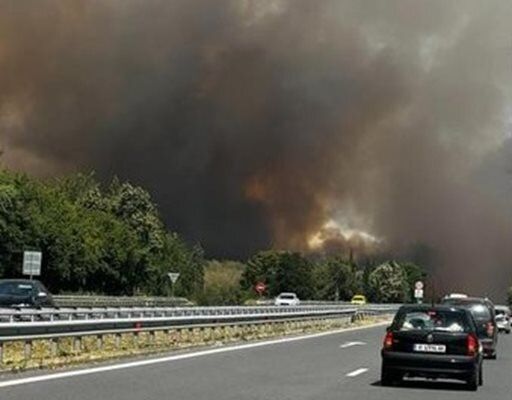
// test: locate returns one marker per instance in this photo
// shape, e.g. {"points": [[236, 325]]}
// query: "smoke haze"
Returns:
{"points": [[259, 123]]}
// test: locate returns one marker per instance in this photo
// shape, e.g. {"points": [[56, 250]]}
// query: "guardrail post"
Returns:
{"points": [[54, 347], [77, 344], [118, 341], [27, 349], [99, 342]]}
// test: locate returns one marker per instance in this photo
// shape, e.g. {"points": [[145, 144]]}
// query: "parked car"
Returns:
{"points": [[24, 293], [359, 300], [432, 342], [503, 319], [287, 299], [485, 318]]}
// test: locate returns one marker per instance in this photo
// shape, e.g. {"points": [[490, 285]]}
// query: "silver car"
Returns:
{"points": [[287, 299], [503, 319]]}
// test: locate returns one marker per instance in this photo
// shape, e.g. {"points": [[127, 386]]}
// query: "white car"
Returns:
{"points": [[287, 299], [503, 316]]}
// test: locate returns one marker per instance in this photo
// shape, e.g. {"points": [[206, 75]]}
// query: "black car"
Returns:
{"points": [[432, 342], [485, 317], [24, 293]]}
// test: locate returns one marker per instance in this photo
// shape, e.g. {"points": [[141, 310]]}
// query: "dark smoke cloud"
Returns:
{"points": [[256, 122]]}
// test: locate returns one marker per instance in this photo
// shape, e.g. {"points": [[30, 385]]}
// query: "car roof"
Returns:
{"points": [[427, 307], [18, 281], [461, 300]]}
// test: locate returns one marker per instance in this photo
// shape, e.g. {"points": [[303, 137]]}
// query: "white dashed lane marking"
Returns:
{"points": [[357, 372], [351, 344]]}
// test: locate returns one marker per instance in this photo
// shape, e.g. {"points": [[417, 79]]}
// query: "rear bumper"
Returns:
{"points": [[489, 346], [427, 365]]}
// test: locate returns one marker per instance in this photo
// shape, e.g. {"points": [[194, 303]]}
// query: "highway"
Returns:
{"points": [[337, 366]]}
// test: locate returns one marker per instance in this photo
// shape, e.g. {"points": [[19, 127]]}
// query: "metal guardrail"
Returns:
{"points": [[99, 323], [119, 301], [24, 315], [23, 322]]}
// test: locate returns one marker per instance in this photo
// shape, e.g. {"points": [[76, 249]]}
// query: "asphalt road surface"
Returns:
{"points": [[338, 366]]}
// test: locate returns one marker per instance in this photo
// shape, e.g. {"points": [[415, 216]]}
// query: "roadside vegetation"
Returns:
{"points": [[110, 239]]}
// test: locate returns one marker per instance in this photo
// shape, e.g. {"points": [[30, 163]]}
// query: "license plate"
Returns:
{"points": [[430, 348]]}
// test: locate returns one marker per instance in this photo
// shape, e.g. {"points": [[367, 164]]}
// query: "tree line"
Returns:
{"points": [[328, 278], [106, 239], [110, 239]]}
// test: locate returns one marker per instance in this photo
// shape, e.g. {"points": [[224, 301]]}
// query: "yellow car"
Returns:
{"points": [[359, 300]]}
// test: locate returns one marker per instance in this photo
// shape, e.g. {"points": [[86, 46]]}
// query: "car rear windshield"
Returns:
{"points": [[480, 311], [15, 289], [433, 320]]}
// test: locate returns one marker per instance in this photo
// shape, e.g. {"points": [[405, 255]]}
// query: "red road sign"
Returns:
{"points": [[260, 287]]}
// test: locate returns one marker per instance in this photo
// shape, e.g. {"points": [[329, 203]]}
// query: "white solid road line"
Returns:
{"points": [[351, 344], [357, 372], [141, 363]]}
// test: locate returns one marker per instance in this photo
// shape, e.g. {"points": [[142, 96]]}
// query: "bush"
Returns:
{"points": [[222, 284]]}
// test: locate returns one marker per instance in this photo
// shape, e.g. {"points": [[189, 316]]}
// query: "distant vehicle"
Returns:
{"points": [[485, 318], [456, 296], [359, 300], [432, 342], [287, 299], [503, 319], [24, 293]]}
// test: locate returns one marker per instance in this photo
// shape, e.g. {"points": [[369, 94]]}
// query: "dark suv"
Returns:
{"points": [[485, 318], [24, 293]]}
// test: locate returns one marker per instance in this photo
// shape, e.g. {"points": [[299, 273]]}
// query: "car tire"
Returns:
{"points": [[508, 332], [493, 356], [387, 378], [472, 381], [480, 376]]}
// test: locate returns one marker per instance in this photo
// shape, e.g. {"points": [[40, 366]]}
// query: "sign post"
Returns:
{"points": [[32, 263], [418, 291], [173, 276], [260, 288]]}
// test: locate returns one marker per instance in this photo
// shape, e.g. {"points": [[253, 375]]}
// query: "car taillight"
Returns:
{"points": [[490, 329], [388, 341], [472, 345]]}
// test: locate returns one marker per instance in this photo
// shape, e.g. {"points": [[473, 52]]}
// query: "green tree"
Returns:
{"points": [[106, 241], [282, 271], [389, 283], [336, 279]]}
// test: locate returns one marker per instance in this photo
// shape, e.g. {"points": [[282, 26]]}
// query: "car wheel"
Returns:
{"points": [[472, 382], [508, 332], [480, 376], [387, 378], [493, 356]]}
